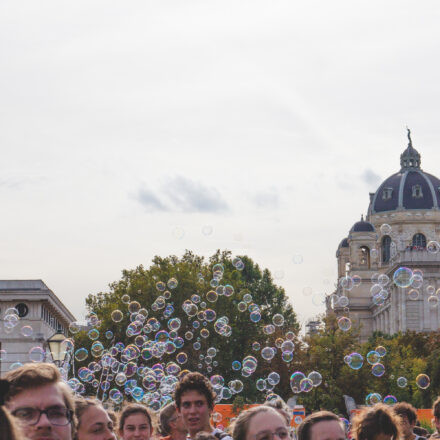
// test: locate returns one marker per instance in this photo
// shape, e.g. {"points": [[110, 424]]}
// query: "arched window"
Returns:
{"points": [[386, 249], [365, 256], [419, 240]]}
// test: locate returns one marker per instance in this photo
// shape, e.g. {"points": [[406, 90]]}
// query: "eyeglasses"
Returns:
{"points": [[58, 416], [281, 433]]}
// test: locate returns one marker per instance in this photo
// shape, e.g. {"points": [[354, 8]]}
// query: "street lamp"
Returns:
{"points": [[55, 343]]}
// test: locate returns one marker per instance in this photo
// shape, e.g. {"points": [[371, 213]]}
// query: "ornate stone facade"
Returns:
{"points": [[401, 229]]}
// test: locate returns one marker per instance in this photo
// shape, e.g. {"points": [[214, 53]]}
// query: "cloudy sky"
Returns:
{"points": [[131, 129]]}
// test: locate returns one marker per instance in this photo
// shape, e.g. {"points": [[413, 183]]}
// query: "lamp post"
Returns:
{"points": [[55, 343]]}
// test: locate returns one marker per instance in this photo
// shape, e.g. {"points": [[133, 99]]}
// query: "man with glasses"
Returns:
{"points": [[171, 424], [41, 402]]}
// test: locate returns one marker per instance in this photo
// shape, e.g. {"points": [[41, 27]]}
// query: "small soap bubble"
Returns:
{"points": [[74, 327], [278, 320], [306, 385], [402, 382], [3, 355], [356, 361], [373, 357], [390, 399], [125, 299], [433, 301], [373, 398], [378, 370], [297, 259], [117, 316], [212, 296], [181, 358], [27, 331], [343, 301], [267, 353], [381, 350], [413, 295], [385, 229], [134, 307], [315, 377], [172, 283], [295, 381], [423, 381], [81, 354], [178, 232], [273, 378], [37, 354], [433, 247], [344, 323]]}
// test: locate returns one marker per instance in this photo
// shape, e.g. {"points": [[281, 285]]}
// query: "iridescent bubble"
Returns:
{"points": [[116, 396], [278, 320], [217, 381], [390, 399], [161, 286], [236, 386], [74, 327], [433, 247], [255, 316], [204, 333], [430, 290], [413, 295], [356, 361], [181, 358], [373, 398], [247, 298], [81, 354], [287, 356], [27, 331], [267, 353], [210, 315], [15, 365], [416, 280], [256, 346], [343, 301], [378, 370], [383, 279], [37, 354], [93, 334], [402, 277], [402, 382], [295, 381], [373, 357], [306, 385], [423, 381], [120, 379], [381, 350], [125, 298], [117, 316], [375, 289], [212, 296], [385, 229], [315, 377], [261, 384], [236, 365], [174, 324], [273, 378], [172, 283], [346, 283], [344, 323], [433, 301], [269, 329], [287, 346], [242, 306], [229, 290], [134, 307], [297, 259]]}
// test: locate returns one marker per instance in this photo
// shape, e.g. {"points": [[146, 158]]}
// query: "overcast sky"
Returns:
{"points": [[131, 129]]}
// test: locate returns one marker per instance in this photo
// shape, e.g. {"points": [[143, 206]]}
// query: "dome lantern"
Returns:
{"points": [[410, 158]]}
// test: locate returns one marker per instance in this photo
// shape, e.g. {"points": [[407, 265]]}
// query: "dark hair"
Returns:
{"points": [[241, 423], [404, 409], [165, 415], [304, 429], [195, 382], [373, 421], [9, 430], [133, 408], [436, 408], [38, 375]]}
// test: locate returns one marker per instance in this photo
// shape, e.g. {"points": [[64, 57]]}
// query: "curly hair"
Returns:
{"points": [[195, 382], [404, 409], [375, 420]]}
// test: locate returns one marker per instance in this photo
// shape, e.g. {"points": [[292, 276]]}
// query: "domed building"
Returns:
{"points": [[403, 219]]}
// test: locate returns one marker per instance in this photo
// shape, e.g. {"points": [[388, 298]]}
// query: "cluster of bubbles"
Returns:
{"points": [[299, 382]]}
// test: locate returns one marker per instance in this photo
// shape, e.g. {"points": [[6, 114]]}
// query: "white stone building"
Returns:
{"points": [[40, 312], [408, 201]]}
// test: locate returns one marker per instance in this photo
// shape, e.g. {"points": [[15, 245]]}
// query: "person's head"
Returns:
{"points": [[170, 421], [41, 401], [8, 426], [321, 425], [260, 423], [194, 399], [376, 423], [408, 417], [281, 407], [436, 412], [135, 423], [93, 421]]}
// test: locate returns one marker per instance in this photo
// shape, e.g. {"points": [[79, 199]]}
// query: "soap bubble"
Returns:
{"points": [[433, 247], [316, 378], [287, 356], [237, 386], [261, 384], [344, 323], [134, 307], [27, 331], [125, 298], [295, 381], [423, 381], [273, 378], [416, 280], [381, 350], [267, 353], [172, 283], [236, 365], [160, 286], [256, 346], [390, 399], [212, 296], [346, 282], [93, 334], [433, 301], [255, 316], [343, 301], [287, 346], [402, 382], [269, 329], [109, 334], [373, 398], [117, 316], [373, 357], [413, 294], [383, 279], [217, 381], [37, 354], [81, 354], [297, 259], [278, 320], [306, 385], [402, 277], [74, 327], [385, 229], [378, 370], [356, 361], [181, 358]]}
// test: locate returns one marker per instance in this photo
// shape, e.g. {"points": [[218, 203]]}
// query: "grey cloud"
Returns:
{"points": [[150, 201], [266, 199], [184, 195], [370, 177], [190, 196]]}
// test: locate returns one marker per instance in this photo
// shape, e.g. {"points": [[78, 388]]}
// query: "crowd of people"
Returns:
{"points": [[35, 404]]}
